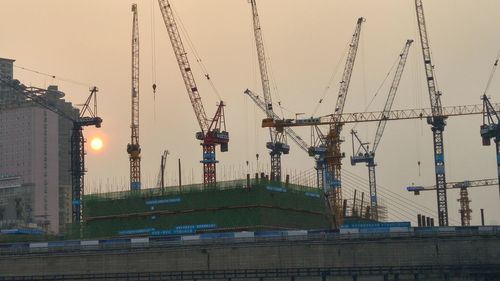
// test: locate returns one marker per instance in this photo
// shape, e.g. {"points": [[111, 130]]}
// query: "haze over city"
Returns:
{"points": [[85, 43]]}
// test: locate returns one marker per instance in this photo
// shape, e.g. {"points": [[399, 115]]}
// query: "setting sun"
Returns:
{"points": [[96, 143]]}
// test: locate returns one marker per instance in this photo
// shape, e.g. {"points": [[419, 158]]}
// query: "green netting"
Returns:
{"points": [[226, 205]]}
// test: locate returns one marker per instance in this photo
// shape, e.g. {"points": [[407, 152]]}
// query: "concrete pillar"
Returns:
{"points": [[419, 220]]}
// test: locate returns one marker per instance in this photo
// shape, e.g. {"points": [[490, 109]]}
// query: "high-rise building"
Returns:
{"points": [[35, 162]]}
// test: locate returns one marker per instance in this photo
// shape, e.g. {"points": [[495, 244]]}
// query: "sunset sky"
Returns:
{"points": [[87, 43]]}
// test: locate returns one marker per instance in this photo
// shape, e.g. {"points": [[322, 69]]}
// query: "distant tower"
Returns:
{"points": [[7, 97], [6, 68]]}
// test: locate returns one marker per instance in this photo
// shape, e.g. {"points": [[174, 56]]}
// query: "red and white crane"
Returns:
{"points": [[213, 131]]}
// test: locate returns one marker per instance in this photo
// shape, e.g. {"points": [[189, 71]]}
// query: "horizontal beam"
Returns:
{"points": [[358, 117]]}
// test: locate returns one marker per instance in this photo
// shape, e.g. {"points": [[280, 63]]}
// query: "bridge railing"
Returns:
{"points": [[243, 237]]}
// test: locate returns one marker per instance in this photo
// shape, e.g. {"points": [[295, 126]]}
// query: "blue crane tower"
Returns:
{"points": [[491, 121], [277, 144], [437, 120], [368, 156]]}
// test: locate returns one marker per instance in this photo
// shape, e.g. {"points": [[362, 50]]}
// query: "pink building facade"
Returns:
{"points": [[29, 148]]}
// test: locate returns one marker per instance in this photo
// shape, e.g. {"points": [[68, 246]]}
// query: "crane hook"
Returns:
{"points": [[154, 88]]}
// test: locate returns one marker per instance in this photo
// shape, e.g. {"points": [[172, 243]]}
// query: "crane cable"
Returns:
{"points": [[330, 81], [153, 54], [274, 84], [196, 54], [379, 88], [54, 76], [492, 73]]}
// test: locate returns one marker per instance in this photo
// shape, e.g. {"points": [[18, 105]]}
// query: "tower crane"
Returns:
{"points": [[464, 200], [437, 120], [333, 140], [277, 144], [213, 131], [491, 120], [368, 156], [316, 149], [358, 117], [87, 117], [133, 148], [491, 128], [288, 131]]}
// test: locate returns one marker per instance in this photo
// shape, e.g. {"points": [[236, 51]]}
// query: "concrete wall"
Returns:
{"points": [[456, 251]]}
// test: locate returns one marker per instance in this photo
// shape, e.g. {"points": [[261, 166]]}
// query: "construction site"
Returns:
{"points": [[258, 219]]}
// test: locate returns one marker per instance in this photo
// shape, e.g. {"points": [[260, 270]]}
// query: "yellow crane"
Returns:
{"points": [[133, 148]]}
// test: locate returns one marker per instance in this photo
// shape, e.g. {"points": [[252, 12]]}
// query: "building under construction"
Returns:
{"points": [[225, 206]]}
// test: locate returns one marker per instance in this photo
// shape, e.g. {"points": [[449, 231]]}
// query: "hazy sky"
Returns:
{"points": [[89, 41]]}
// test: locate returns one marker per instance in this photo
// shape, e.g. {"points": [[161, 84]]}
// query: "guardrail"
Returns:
{"points": [[246, 237]]}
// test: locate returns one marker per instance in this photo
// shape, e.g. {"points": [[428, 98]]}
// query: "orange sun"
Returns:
{"points": [[96, 144]]}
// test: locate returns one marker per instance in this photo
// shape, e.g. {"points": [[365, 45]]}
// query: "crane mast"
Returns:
{"points": [[261, 55], [437, 121], [368, 156], [213, 131], [133, 148], [277, 145], [333, 154]]}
